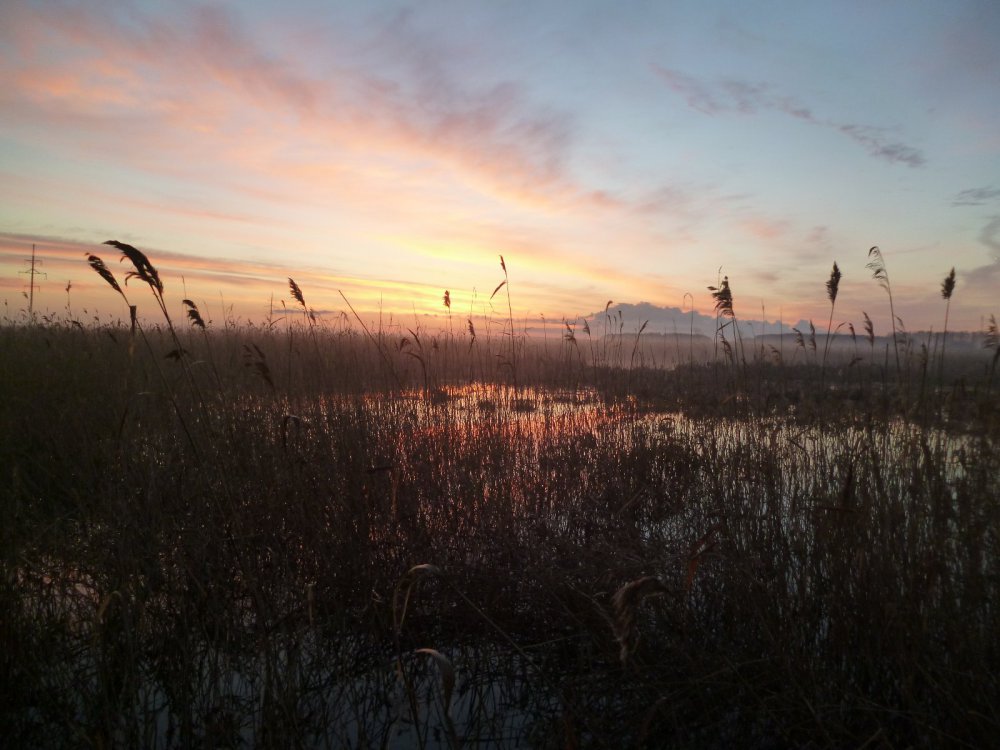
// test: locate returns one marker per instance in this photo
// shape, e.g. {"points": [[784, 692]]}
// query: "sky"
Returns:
{"points": [[381, 153]]}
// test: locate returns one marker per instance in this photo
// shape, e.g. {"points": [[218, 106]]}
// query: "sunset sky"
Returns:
{"points": [[608, 150]]}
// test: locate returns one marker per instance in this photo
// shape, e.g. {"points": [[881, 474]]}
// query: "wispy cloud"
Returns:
{"points": [[144, 83], [983, 281], [990, 237], [493, 124], [874, 140], [980, 196], [736, 96], [696, 93], [818, 243], [764, 228]]}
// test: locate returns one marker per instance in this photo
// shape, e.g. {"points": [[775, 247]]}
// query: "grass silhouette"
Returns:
{"points": [[398, 543]]}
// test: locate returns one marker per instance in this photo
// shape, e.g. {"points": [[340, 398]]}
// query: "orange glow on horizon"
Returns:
{"points": [[388, 159]]}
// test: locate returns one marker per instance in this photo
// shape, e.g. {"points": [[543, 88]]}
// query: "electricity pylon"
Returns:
{"points": [[32, 273]]}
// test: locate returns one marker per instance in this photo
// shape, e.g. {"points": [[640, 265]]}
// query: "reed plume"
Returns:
{"points": [[832, 287], [625, 605], [193, 314], [947, 289], [404, 590], [876, 265], [447, 671], [296, 291], [723, 296], [105, 273], [144, 270]]}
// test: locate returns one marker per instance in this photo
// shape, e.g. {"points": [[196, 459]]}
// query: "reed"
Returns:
{"points": [[265, 583], [876, 264], [947, 289], [626, 603], [832, 287]]}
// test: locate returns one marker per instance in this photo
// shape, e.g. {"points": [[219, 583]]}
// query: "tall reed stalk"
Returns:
{"points": [[947, 289], [723, 296], [505, 284], [146, 272], [876, 265], [832, 285]]}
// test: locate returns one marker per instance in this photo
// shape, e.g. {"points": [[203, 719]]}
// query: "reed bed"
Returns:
{"points": [[311, 536]]}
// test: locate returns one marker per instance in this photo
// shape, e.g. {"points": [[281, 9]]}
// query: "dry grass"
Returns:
{"points": [[244, 546], [626, 603]]}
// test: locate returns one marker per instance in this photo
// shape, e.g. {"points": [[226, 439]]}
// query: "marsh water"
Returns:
{"points": [[283, 615]]}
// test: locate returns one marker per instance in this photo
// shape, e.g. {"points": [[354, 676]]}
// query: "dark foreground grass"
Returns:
{"points": [[216, 548]]}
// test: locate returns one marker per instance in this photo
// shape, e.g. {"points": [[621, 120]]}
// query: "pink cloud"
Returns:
{"points": [[765, 229], [163, 93]]}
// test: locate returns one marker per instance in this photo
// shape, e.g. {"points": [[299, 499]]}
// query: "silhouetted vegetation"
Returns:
{"points": [[315, 534]]}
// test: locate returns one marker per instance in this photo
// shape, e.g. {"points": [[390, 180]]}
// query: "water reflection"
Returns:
{"points": [[465, 415], [537, 503]]}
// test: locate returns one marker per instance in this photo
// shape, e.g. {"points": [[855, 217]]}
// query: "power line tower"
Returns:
{"points": [[32, 271]]}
